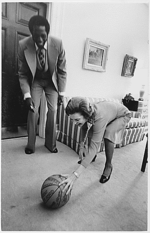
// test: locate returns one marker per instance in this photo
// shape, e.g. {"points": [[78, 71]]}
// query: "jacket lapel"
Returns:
{"points": [[30, 54]]}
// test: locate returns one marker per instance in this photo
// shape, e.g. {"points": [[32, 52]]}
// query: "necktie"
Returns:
{"points": [[42, 57]]}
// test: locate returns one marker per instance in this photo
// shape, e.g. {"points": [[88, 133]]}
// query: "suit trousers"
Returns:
{"points": [[39, 85]]}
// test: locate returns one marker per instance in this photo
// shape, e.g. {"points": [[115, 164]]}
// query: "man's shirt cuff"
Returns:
{"points": [[62, 93], [27, 95]]}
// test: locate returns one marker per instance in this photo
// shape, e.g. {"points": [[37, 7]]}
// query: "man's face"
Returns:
{"points": [[39, 35]]}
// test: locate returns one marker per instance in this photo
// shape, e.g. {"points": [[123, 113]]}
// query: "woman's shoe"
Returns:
{"points": [[79, 162], [28, 151], [104, 178], [94, 158]]}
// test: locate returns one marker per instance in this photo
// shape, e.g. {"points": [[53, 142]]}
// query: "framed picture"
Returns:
{"points": [[129, 65], [95, 55]]}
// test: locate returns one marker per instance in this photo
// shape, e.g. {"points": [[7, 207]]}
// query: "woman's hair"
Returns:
{"points": [[38, 20], [79, 105]]}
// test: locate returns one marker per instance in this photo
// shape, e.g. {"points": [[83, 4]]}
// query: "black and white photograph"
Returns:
{"points": [[74, 116]]}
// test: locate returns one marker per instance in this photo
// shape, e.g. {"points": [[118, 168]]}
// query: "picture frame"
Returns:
{"points": [[95, 55], [129, 65]]}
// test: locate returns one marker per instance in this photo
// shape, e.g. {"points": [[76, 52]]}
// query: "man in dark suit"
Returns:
{"points": [[42, 67]]}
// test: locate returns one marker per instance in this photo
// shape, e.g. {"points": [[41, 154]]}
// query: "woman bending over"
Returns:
{"points": [[97, 121]]}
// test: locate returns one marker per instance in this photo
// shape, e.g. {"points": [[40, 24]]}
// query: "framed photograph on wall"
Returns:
{"points": [[129, 65], [95, 55]]}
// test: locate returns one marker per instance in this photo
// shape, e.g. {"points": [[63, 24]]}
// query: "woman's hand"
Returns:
{"points": [[69, 183], [82, 151]]}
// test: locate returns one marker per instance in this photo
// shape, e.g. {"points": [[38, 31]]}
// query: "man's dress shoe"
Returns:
{"points": [[52, 151]]}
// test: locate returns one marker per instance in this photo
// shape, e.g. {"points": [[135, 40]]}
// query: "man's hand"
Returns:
{"points": [[29, 104], [60, 99]]}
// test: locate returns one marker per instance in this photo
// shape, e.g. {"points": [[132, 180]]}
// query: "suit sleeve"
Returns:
{"points": [[61, 70], [23, 71], [96, 139]]}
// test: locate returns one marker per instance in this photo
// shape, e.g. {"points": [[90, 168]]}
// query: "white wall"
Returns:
{"points": [[123, 26]]}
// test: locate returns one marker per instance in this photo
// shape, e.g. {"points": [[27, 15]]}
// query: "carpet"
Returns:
{"points": [[118, 205]]}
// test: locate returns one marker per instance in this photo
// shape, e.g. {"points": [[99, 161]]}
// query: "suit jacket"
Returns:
{"points": [[27, 63]]}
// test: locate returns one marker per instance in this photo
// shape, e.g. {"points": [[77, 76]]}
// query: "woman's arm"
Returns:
{"points": [[71, 179], [98, 132], [96, 139]]}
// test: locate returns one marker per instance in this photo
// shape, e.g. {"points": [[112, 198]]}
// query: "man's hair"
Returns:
{"points": [[38, 20], [79, 105]]}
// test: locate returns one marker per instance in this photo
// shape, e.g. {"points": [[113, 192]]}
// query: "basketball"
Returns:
{"points": [[51, 192]]}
